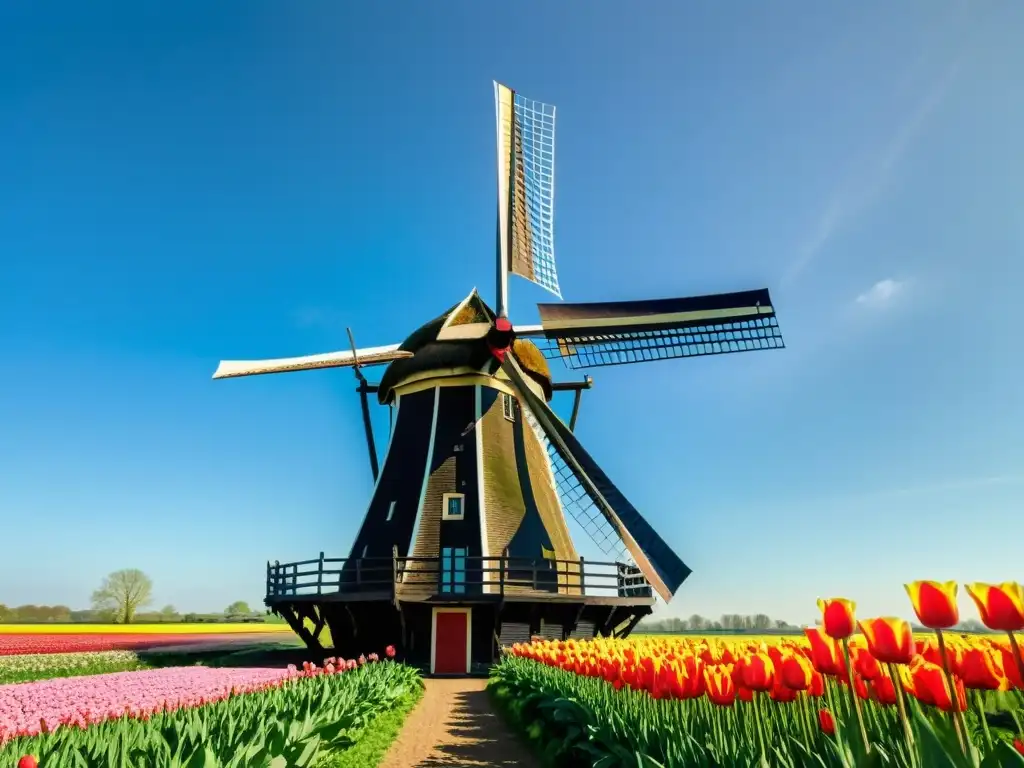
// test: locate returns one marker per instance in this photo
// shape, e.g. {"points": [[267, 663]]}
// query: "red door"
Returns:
{"points": [[450, 643]]}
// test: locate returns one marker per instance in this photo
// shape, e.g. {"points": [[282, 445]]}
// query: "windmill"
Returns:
{"points": [[466, 536]]}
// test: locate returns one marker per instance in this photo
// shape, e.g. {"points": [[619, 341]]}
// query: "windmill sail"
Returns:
{"points": [[369, 356], [584, 488], [526, 187], [613, 333]]}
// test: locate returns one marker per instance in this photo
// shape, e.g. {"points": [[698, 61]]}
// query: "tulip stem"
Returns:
{"points": [[756, 703], [805, 719], [853, 696], [954, 700], [1017, 654], [989, 746], [901, 707]]}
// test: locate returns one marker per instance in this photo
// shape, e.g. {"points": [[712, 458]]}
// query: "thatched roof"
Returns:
{"points": [[428, 353]]}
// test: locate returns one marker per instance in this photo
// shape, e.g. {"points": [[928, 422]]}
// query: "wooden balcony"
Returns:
{"points": [[456, 579]]}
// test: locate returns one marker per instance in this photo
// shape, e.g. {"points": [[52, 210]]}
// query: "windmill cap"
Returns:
{"points": [[443, 356]]}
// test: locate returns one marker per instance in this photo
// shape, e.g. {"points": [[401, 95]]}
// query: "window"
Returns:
{"points": [[391, 511], [453, 569], [508, 407], [452, 508], [366, 549]]}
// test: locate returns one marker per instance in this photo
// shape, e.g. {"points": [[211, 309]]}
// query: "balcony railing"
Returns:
{"points": [[469, 576]]}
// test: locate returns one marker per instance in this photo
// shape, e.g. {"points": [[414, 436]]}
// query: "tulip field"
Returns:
{"points": [[112, 710], [25, 667], [835, 697], [81, 638]]}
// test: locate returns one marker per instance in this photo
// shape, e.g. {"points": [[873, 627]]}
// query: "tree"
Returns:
{"points": [[238, 608], [122, 593]]}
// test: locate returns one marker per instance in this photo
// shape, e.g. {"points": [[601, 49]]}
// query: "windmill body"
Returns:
{"points": [[466, 542]]}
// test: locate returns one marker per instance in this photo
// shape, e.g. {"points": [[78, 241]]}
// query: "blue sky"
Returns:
{"points": [[185, 182]]}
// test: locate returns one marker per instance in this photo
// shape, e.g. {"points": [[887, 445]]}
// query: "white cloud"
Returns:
{"points": [[881, 293]]}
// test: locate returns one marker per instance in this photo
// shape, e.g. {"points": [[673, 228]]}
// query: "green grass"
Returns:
{"points": [[31, 667], [376, 738]]}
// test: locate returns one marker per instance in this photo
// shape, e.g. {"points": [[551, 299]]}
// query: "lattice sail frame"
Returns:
{"points": [[595, 350], [576, 501], [526, 148]]}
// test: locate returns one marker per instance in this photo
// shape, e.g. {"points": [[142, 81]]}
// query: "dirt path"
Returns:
{"points": [[454, 725]]}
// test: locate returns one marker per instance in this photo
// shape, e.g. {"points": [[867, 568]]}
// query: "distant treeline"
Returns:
{"points": [[728, 622], [62, 614]]}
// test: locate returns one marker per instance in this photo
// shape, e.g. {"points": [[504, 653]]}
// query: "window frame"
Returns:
{"points": [[445, 499]]}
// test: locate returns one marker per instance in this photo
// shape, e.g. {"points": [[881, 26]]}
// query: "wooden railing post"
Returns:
{"points": [[295, 578], [320, 575], [277, 577], [583, 586], [359, 571], [269, 587], [534, 575], [394, 573], [501, 573]]}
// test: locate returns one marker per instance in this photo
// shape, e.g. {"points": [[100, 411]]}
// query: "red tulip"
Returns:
{"points": [[934, 603], [1001, 605], [837, 617], [758, 672], [930, 687], [719, 686], [827, 722], [28, 761], [1018, 745], [795, 671], [825, 653], [390, 651], [890, 640], [864, 664], [1010, 665], [817, 688], [981, 669], [885, 691]]}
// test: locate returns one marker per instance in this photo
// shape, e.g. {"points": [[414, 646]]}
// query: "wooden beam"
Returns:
{"points": [[572, 386], [632, 624], [365, 404], [575, 409], [294, 619]]}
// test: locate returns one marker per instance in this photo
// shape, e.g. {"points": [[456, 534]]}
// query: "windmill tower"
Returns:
{"points": [[466, 538]]}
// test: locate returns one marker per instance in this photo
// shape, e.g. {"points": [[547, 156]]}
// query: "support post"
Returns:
{"points": [[295, 621], [575, 409], [371, 446], [577, 389], [362, 390], [394, 575], [320, 575], [583, 586], [502, 564]]}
